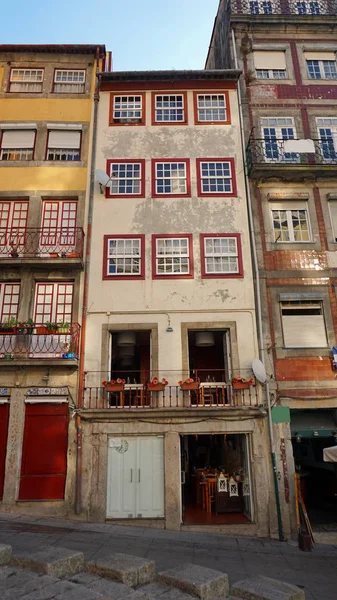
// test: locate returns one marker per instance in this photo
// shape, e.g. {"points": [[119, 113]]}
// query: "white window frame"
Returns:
{"points": [[172, 111], [321, 69], [328, 123], [333, 203], [270, 73], [307, 5], [69, 86], [171, 175], [214, 108], [131, 105], [261, 5], [302, 306], [288, 208], [217, 178], [64, 154], [134, 181], [19, 153], [221, 254], [27, 83], [170, 257], [131, 257], [278, 123]]}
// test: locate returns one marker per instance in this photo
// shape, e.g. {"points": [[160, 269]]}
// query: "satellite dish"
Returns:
{"points": [[102, 177], [259, 370]]}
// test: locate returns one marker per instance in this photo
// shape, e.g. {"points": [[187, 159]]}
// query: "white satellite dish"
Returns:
{"points": [[102, 177], [259, 370]]}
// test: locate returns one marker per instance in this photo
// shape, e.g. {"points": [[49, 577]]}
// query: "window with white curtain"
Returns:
{"points": [[303, 324], [64, 145], [69, 81], [26, 80], [17, 144]]}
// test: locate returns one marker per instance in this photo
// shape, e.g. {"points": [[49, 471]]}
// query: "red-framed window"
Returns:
{"points": [[211, 108], [69, 81], [59, 223], [169, 108], [9, 301], [221, 255], [171, 177], [63, 144], [13, 224], [127, 178], [124, 257], [17, 144], [53, 302], [216, 177], [26, 80], [127, 109], [172, 256]]}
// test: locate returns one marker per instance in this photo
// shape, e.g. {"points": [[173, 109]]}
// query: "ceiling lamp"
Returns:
{"points": [[127, 338], [204, 339], [126, 351]]}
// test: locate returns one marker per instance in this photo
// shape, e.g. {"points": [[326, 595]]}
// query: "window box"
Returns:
{"points": [[26, 80], [171, 178], [114, 387], [127, 109], [240, 385], [127, 178], [156, 387], [172, 256], [190, 386], [221, 255], [169, 109], [212, 108], [216, 177]]}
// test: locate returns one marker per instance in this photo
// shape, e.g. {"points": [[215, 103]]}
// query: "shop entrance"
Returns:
{"points": [[216, 479], [312, 431]]}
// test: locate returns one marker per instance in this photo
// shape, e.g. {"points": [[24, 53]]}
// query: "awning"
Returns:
{"points": [[330, 454], [313, 423]]}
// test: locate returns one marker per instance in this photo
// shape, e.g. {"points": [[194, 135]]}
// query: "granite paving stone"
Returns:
{"points": [[110, 588], [51, 560], [202, 582], [79, 593], [5, 554], [265, 588], [131, 570]]}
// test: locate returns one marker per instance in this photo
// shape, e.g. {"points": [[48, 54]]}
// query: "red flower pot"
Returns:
{"points": [[114, 387], [156, 387], [240, 385], [190, 386]]}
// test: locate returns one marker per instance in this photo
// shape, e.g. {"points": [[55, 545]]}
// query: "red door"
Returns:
{"points": [[4, 416], [44, 452]]}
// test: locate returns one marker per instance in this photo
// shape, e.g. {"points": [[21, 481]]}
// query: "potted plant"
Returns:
{"points": [[114, 385], [157, 386], [42, 329], [240, 383], [9, 326], [189, 384], [52, 327], [63, 327]]}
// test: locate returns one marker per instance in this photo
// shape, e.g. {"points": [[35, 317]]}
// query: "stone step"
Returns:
{"points": [[265, 588], [204, 583], [130, 570], [5, 554], [51, 560]]}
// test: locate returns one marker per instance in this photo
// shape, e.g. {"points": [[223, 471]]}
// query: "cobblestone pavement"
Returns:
{"points": [[315, 572]]}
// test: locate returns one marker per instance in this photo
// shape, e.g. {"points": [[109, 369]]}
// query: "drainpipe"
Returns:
{"points": [[258, 301], [78, 503]]}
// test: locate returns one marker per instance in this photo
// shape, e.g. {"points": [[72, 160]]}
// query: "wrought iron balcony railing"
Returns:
{"points": [[304, 8], [25, 342], [272, 151], [45, 243]]}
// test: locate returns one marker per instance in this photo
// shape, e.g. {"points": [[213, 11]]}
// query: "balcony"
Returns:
{"points": [[61, 246], [271, 158], [273, 11], [27, 344]]}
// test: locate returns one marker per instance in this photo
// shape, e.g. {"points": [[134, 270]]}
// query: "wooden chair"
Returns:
{"points": [[211, 489]]}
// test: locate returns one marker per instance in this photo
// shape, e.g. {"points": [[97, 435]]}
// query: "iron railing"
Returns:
{"points": [[272, 151], [302, 8], [31, 242], [18, 343]]}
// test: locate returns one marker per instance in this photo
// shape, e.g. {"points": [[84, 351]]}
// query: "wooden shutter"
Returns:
{"points": [[4, 416], [18, 139], [64, 139], [44, 452], [304, 331]]}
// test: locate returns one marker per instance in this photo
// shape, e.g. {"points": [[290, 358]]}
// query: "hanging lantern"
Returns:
{"points": [[233, 487], [126, 338], [204, 339], [246, 486], [222, 483], [126, 351]]}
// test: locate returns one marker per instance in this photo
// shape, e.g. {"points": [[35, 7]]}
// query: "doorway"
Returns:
{"points": [[209, 355], [216, 479], [131, 356]]}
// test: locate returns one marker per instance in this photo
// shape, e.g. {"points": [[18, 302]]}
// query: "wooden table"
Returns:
{"points": [[212, 389]]}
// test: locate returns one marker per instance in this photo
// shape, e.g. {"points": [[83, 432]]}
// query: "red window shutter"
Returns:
{"points": [[4, 416], [44, 452]]}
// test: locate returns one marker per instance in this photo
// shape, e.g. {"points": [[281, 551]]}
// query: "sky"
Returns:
{"points": [[142, 34]]}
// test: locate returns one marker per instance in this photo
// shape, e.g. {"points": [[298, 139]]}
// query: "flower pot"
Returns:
{"points": [[53, 255], [42, 330], [156, 387], [240, 385], [114, 387], [190, 386]]}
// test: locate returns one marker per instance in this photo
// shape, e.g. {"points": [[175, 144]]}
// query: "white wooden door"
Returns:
{"points": [[135, 477]]}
